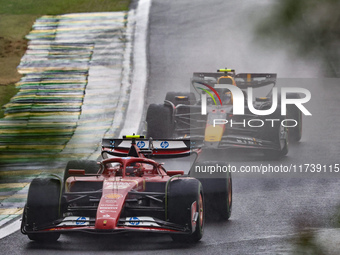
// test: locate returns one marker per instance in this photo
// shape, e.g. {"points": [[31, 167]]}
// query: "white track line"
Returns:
{"points": [[10, 228], [136, 103]]}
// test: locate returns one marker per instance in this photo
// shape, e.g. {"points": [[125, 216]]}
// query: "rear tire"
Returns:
{"points": [[276, 135], [42, 208], [293, 112], [218, 192], [295, 133], [182, 193], [172, 97], [160, 122], [90, 167]]}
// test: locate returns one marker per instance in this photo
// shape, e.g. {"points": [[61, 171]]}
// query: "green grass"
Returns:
{"points": [[6, 93], [16, 20], [53, 7]]}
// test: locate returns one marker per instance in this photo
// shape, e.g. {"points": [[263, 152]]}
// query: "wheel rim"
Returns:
{"points": [[300, 123], [229, 193], [282, 137], [200, 210]]}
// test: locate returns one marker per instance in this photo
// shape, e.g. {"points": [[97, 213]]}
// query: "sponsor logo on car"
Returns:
{"points": [[114, 196], [134, 221], [164, 144], [116, 185], [141, 144], [74, 220], [109, 201], [81, 221], [141, 221], [108, 208], [104, 209]]}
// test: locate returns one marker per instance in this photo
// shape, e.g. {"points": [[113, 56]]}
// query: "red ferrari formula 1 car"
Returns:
{"points": [[127, 191]]}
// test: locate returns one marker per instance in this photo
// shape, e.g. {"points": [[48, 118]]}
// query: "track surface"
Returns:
{"points": [[186, 37]]}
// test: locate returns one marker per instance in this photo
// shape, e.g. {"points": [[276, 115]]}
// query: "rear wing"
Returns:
{"points": [[242, 80], [164, 148]]}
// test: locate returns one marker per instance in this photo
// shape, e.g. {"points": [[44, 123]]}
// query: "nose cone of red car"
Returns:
{"points": [[105, 223]]}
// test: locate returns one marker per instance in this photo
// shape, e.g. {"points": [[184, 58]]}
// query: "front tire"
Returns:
{"points": [[90, 167], [42, 208], [182, 193]]}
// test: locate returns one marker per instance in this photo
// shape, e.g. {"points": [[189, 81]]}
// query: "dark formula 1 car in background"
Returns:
{"points": [[182, 115], [127, 191]]}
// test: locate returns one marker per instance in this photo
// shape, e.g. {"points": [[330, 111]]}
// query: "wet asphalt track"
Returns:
{"points": [[203, 36]]}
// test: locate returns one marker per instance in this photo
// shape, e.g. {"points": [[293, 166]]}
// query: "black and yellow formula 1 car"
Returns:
{"points": [[229, 110]]}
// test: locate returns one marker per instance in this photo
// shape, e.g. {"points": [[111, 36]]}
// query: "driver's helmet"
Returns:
{"points": [[119, 171], [226, 80], [225, 94], [115, 168], [134, 169]]}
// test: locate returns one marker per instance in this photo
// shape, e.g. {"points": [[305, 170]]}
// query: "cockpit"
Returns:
{"points": [[132, 169]]}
